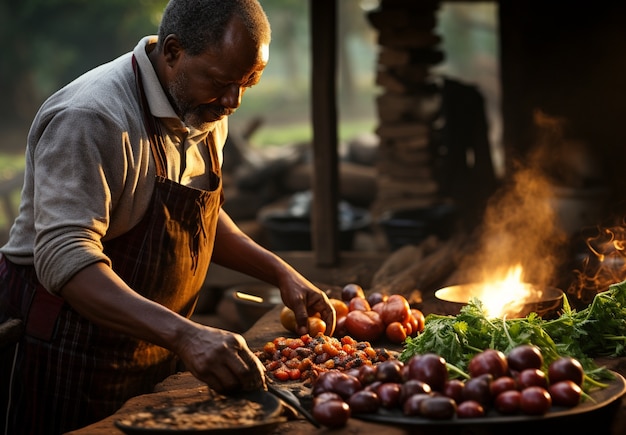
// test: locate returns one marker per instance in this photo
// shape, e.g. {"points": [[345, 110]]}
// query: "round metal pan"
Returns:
{"points": [[546, 302], [272, 410]]}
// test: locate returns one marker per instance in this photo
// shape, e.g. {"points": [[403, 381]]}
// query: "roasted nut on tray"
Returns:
{"points": [[219, 412]]}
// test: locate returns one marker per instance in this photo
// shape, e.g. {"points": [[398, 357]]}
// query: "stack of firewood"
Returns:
{"points": [[410, 104]]}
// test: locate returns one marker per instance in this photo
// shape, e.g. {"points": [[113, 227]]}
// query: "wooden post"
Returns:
{"points": [[325, 182]]}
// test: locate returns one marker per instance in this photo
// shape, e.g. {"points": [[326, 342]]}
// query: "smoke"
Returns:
{"points": [[605, 264], [520, 225], [520, 228]]}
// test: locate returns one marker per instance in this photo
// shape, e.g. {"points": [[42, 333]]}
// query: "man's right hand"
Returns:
{"points": [[221, 358]]}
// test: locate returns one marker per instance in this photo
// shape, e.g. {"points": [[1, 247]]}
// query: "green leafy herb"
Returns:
{"points": [[597, 330]]}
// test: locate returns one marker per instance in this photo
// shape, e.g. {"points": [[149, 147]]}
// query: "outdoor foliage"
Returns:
{"points": [[49, 42]]}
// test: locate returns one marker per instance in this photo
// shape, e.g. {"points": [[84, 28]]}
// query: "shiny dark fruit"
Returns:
{"points": [[565, 393], [535, 401], [373, 386], [325, 397], [336, 382], [389, 371], [346, 386], [470, 409], [411, 405], [525, 356], [566, 368], [375, 298], [350, 291], [332, 413], [502, 384], [532, 378], [454, 389], [326, 382], [489, 361], [429, 368], [364, 402], [508, 402], [367, 374], [438, 408], [478, 389], [389, 393], [412, 387]]}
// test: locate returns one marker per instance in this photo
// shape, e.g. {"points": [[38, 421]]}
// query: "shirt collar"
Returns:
{"points": [[157, 100], [160, 106]]}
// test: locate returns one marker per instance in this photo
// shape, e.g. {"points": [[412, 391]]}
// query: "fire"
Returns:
{"points": [[604, 264], [504, 296]]}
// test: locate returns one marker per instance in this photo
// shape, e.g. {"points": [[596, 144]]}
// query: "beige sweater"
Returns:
{"points": [[89, 169]]}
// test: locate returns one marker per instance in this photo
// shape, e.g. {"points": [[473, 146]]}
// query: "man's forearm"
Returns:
{"points": [[98, 294]]}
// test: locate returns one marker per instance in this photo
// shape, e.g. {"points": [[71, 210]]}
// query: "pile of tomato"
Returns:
{"points": [[366, 318], [422, 387], [306, 357]]}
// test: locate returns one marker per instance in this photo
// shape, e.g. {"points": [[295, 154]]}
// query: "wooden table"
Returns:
{"points": [[183, 388]]}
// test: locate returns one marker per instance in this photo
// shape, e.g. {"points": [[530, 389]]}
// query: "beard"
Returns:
{"points": [[192, 116]]}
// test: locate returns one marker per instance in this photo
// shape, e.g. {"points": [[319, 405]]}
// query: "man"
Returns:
{"points": [[120, 214]]}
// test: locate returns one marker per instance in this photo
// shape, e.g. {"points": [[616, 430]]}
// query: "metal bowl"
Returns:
{"points": [[252, 301], [546, 302]]}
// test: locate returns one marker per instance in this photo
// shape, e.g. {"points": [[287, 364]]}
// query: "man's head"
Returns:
{"points": [[208, 53]]}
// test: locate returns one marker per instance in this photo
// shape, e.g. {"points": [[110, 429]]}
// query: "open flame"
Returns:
{"points": [[504, 296], [604, 264]]}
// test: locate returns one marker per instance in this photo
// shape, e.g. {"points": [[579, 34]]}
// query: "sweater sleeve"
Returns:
{"points": [[79, 179]]}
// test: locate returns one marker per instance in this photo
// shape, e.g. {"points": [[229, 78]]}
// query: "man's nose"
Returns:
{"points": [[232, 96]]}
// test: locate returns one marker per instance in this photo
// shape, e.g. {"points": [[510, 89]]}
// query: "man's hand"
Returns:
{"points": [[306, 300], [235, 250], [222, 359]]}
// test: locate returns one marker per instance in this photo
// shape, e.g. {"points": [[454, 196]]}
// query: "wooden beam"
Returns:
{"points": [[325, 182]]}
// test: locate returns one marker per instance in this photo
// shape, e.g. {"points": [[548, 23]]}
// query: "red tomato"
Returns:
{"points": [[408, 327], [395, 332], [419, 317], [379, 307], [341, 308], [359, 303], [396, 309], [364, 325], [340, 327], [411, 326], [316, 326]]}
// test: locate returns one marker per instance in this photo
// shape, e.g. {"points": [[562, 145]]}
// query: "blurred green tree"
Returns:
{"points": [[49, 42]]}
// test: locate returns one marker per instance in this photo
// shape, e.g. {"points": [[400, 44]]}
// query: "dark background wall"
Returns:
{"points": [[563, 67]]}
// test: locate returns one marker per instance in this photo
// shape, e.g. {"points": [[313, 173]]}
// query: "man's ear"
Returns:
{"points": [[172, 50]]}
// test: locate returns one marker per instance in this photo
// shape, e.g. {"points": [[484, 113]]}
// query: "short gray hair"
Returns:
{"points": [[199, 24]]}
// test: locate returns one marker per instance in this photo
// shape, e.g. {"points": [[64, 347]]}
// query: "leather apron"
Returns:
{"points": [[68, 372]]}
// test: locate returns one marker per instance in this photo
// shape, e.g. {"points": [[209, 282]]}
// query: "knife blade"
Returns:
{"points": [[291, 399]]}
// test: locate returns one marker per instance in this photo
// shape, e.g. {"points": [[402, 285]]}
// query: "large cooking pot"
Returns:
{"points": [[547, 302]]}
